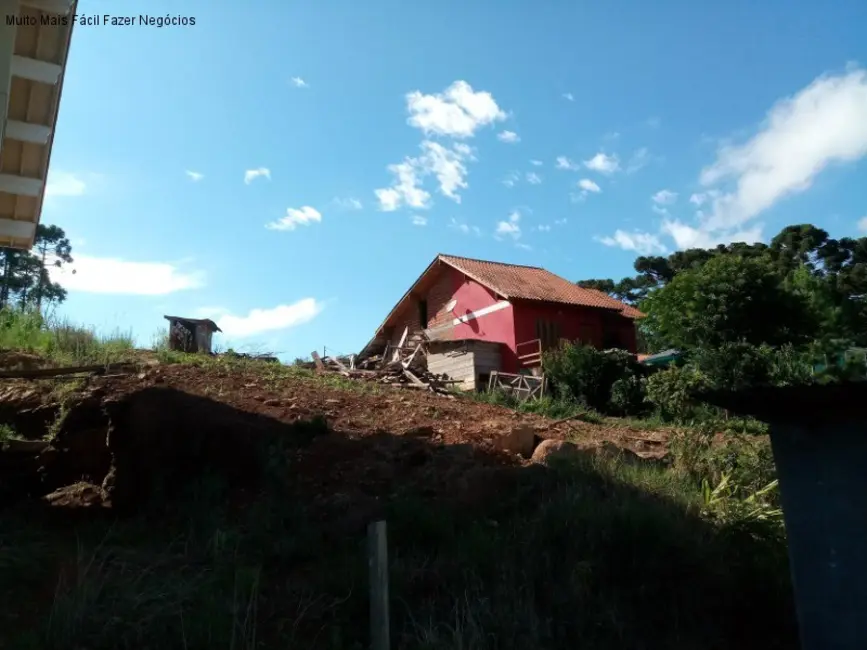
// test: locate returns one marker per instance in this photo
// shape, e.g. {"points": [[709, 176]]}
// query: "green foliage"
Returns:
{"points": [[673, 392], [59, 340], [733, 366], [551, 407], [628, 396], [585, 375], [828, 275], [728, 299], [24, 275]]}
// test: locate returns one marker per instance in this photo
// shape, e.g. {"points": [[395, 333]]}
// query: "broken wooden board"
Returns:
{"points": [[338, 363], [41, 373]]}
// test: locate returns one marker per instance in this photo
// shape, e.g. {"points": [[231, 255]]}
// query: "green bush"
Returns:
{"points": [[733, 366], [672, 392], [586, 375], [628, 396]]}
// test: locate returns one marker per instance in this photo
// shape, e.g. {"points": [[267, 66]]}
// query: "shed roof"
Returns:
{"points": [[195, 322]]}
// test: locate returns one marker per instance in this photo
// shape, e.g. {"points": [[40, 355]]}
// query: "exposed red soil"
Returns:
{"points": [[117, 431]]}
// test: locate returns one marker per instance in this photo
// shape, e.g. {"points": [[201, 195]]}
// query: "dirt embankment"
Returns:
{"points": [[123, 441]]}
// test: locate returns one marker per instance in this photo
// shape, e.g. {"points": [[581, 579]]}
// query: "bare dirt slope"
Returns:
{"points": [[377, 436], [225, 504]]}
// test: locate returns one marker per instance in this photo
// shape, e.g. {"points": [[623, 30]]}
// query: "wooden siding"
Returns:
{"points": [[463, 360]]}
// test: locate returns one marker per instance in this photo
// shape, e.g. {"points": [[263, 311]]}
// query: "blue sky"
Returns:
{"points": [[290, 169]]}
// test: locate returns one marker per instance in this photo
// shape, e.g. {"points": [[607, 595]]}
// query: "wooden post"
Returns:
{"points": [[377, 542]]}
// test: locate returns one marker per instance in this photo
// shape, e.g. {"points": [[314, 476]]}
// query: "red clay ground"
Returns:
{"points": [[382, 436]]}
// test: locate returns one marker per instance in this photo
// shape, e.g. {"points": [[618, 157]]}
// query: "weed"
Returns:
{"points": [[60, 341], [7, 433]]}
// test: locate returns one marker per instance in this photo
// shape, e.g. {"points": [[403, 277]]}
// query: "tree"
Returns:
{"points": [[53, 249], [728, 299], [830, 274], [25, 279]]}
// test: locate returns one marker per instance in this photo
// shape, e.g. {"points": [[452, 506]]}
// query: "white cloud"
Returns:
{"points": [[862, 224], [569, 97], [536, 163], [446, 163], [194, 176], [64, 184], [303, 216], [664, 197], [511, 179], [639, 159], [564, 163], [108, 275], [533, 178], [267, 320], [252, 174], [654, 122], [419, 220], [511, 226], [822, 124], [603, 163], [509, 137], [348, 203], [298, 82], [457, 112], [640, 242], [405, 190], [686, 236], [700, 198], [587, 187], [560, 222], [543, 228], [523, 246], [463, 227]]}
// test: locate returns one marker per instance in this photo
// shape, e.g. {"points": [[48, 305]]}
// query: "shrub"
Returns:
{"points": [[628, 396], [584, 374], [734, 366], [672, 392]]}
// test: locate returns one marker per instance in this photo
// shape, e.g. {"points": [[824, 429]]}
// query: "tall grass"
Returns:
{"points": [[60, 341], [599, 554]]}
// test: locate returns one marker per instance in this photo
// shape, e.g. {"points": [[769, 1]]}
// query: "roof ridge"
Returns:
{"points": [[475, 259]]}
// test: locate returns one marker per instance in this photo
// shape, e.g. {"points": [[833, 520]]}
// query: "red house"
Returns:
{"points": [[481, 316]]}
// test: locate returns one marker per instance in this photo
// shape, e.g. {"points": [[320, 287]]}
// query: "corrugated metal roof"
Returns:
{"points": [[535, 283]]}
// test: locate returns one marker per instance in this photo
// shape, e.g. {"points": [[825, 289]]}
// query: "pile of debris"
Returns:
{"points": [[402, 366]]}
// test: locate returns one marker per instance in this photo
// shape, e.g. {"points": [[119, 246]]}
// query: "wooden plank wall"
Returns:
{"points": [[463, 360]]}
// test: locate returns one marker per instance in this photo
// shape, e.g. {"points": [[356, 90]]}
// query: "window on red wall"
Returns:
{"points": [[548, 333]]}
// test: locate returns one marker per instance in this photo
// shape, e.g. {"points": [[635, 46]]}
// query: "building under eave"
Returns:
{"points": [[34, 45]]}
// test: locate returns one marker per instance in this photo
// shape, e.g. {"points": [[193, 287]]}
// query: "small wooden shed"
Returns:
{"points": [[191, 334], [471, 362]]}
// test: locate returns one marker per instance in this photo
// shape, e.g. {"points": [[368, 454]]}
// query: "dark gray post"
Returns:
{"points": [[819, 441]]}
